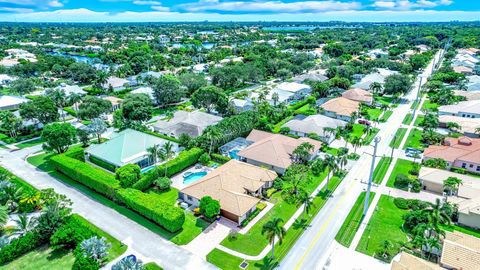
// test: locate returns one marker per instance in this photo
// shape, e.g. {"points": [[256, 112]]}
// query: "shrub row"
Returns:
{"points": [[412, 204], [76, 153], [21, 246], [182, 161], [102, 163], [71, 233], [175, 140], [301, 103], [220, 158], [90, 176], [152, 207]]}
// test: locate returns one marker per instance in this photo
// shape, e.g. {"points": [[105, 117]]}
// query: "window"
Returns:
{"points": [[189, 198], [464, 165], [471, 166], [478, 168]]}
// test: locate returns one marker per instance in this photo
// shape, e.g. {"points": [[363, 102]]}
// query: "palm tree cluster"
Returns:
{"points": [[162, 153]]}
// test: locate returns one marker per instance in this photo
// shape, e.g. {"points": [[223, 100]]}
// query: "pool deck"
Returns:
{"points": [[177, 179]]}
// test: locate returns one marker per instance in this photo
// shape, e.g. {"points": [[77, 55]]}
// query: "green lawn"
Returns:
{"points": [[414, 105], [191, 228], [152, 266], [357, 131], [43, 258], [408, 119], [368, 139], [373, 114], [385, 224], [253, 242], [307, 109], [224, 260], [330, 150], [430, 106], [462, 229], [402, 166], [30, 143], [352, 222], [397, 139], [385, 100], [418, 120], [414, 140], [276, 128], [386, 116], [381, 169]]}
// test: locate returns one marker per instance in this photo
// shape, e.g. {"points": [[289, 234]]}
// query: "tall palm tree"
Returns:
{"points": [[330, 131], [451, 184], [166, 153], [153, 152], [307, 202], [437, 214], [73, 99], [274, 229], [356, 142], [24, 224], [376, 87], [331, 165], [213, 134]]}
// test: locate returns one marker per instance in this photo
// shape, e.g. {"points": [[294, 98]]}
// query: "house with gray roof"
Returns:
{"points": [[126, 147], [468, 109], [183, 122], [316, 124]]}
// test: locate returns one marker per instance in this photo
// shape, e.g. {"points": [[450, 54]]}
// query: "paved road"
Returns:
{"points": [[142, 242], [311, 250]]}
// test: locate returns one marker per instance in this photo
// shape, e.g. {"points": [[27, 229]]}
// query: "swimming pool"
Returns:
{"points": [[192, 177], [234, 154], [146, 169]]}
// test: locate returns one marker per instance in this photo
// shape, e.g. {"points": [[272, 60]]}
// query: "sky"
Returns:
{"points": [[238, 10]]}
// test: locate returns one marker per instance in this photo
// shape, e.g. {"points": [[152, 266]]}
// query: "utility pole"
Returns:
{"points": [[416, 99], [370, 178]]}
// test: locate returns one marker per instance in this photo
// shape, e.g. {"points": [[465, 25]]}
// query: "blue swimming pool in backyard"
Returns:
{"points": [[191, 178], [234, 154]]}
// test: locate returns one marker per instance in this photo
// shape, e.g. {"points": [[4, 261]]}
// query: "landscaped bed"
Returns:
{"points": [[404, 167], [385, 224]]}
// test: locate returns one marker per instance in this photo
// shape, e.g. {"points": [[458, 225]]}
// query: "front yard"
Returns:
{"points": [[385, 224], [414, 140], [404, 167], [43, 258]]}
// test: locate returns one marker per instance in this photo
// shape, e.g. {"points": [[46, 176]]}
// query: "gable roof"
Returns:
{"points": [[229, 185], [128, 146], [273, 149], [314, 124], [461, 251], [341, 106], [183, 122]]}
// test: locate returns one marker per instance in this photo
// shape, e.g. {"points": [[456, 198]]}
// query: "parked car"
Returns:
{"points": [[412, 152], [364, 122]]}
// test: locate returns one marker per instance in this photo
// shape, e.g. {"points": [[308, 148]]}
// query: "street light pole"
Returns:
{"points": [[416, 99], [370, 178]]}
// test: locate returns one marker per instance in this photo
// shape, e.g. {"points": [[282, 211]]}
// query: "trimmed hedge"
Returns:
{"points": [[153, 207], [21, 246], [90, 176], [220, 158], [101, 163], [184, 160], [175, 140], [76, 153]]}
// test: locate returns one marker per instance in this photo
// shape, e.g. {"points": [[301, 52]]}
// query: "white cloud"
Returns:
{"points": [[147, 3], [268, 6], [408, 5], [160, 8], [55, 3], [16, 10]]}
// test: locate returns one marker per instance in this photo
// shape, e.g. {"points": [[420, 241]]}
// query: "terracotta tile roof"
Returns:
{"points": [[461, 251], [273, 149], [410, 262], [341, 106], [229, 185], [463, 149], [358, 94]]}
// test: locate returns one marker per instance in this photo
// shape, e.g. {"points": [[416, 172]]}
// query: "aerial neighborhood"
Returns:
{"points": [[262, 145]]}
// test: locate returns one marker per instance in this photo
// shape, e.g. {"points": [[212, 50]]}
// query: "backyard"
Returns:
{"points": [[385, 224]]}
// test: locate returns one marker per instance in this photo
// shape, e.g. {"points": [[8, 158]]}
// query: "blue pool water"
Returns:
{"points": [[234, 154], [191, 178], [144, 170]]}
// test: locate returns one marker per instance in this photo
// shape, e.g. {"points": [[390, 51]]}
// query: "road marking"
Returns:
{"points": [[324, 226]]}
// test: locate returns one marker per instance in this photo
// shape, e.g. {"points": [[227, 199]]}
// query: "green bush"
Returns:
{"points": [[459, 170], [204, 159], [401, 181], [76, 153], [184, 160], [209, 207], [153, 207], [85, 263], [86, 174], [128, 175], [70, 111], [401, 203], [220, 158], [20, 246], [70, 234], [102, 163], [163, 183]]}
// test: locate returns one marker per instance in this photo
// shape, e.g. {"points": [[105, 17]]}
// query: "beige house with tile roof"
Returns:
{"points": [[432, 181], [273, 151], [410, 262], [358, 94], [340, 108], [460, 152], [236, 185], [469, 212], [468, 125], [460, 251]]}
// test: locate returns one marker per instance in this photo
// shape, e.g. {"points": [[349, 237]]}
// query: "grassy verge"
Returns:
{"points": [[414, 140], [253, 242], [43, 258], [224, 260], [418, 120], [152, 266], [408, 119], [430, 106], [352, 222], [373, 114], [386, 116], [30, 143], [397, 139], [381, 169], [369, 138], [385, 224], [191, 228]]}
